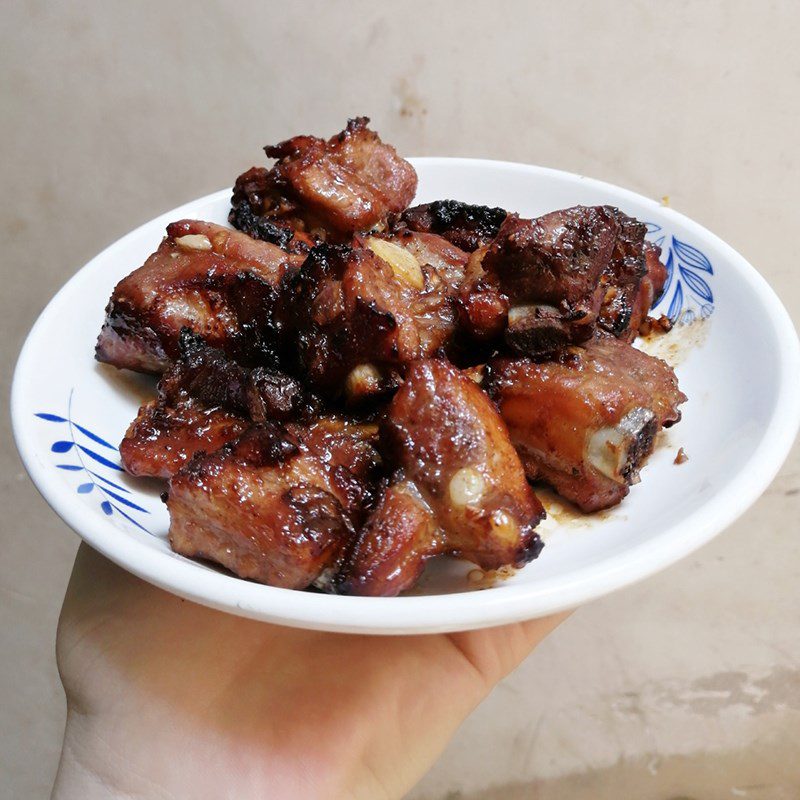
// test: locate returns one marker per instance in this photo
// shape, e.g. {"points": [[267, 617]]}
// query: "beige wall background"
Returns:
{"points": [[687, 685]]}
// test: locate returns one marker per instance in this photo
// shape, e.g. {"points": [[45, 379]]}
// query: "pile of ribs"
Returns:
{"points": [[350, 386]]}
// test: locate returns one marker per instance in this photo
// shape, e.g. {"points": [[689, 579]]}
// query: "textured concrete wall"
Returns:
{"points": [[684, 686]]}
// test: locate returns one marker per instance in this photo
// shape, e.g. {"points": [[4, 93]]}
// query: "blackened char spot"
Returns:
{"points": [[243, 218]]}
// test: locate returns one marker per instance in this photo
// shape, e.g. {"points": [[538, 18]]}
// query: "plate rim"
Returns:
{"points": [[438, 613]]}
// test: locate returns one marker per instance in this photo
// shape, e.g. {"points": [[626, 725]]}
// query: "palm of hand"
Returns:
{"points": [[170, 699]]}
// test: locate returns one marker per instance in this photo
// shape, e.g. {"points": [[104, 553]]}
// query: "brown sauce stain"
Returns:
{"points": [[675, 346]]}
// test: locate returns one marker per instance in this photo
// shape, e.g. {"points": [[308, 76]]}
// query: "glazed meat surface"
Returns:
{"points": [[633, 280], [460, 487], [467, 226], [623, 277], [277, 505], [205, 400], [350, 387], [549, 282], [207, 374], [586, 422], [360, 314], [549, 268], [331, 189], [219, 283], [165, 436], [435, 271], [435, 252], [650, 288]]}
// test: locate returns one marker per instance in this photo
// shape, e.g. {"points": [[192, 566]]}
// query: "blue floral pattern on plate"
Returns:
{"points": [[686, 289], [88, 448]]}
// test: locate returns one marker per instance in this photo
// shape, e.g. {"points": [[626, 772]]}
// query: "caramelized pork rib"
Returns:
{"points": [[250, 192], [361, 313], [656, 270], [467, 226], [164, 437], [547, 283], [586, 422], [390, 552], [434, 269], [435, 252], [462, 489], [219, 283], [208, 375], [634, 279], [205, 400], [331, 189], [549, 270], [277, 505]]}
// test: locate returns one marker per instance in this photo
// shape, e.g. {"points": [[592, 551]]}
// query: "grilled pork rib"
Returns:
{"points": [[219, 283], [459, 487], [467, 226], [330, 189], [586, 422], [277, 505], [350, 387], [205, 400]]}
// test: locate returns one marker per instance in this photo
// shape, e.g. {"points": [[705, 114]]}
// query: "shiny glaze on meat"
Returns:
{"points": [[549, 269], [459, 479], [219, 283], [350, 308], [330, 189], [164, 437], [448, 261], [390, 551], [623, 277], [277, 505], [554, 408], [205, 400], [650, 288], [333, 298]]}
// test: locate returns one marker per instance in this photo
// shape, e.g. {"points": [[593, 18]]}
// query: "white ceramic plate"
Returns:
{"points": [[734, 348]]}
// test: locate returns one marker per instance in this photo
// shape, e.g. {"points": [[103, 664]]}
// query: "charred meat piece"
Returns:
{"points": [[584, 423], [219, 283], [633, 279], [467, 226], [361, 313], [250, 192], [206, 374], [328, 189], [277, 505], [460, 486], [623, 277], [204, 401], [164, 437], [549, 271]]}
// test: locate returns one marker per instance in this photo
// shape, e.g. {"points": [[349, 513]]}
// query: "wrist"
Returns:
{"points": [[81, 771], [111, 760]]}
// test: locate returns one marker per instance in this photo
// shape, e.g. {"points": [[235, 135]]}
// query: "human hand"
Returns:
{"points": [[169, 699]]}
